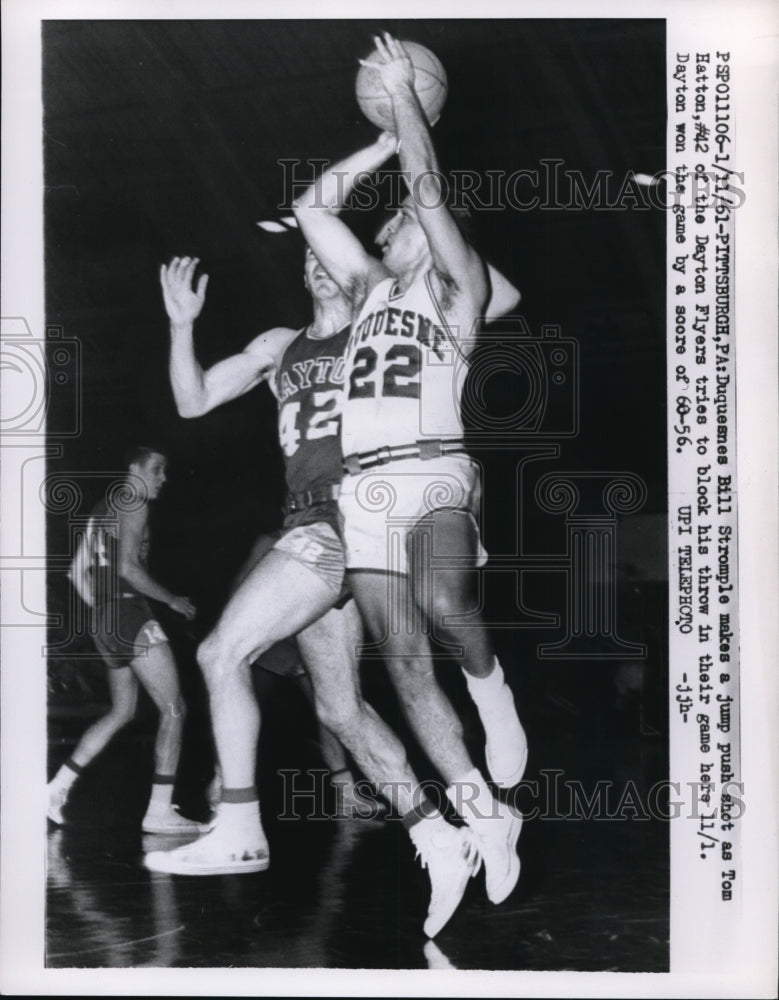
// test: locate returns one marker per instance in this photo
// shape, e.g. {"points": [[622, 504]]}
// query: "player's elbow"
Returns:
{"points": [[188, 411], [308, 202], [309, 206], [190, 406]]}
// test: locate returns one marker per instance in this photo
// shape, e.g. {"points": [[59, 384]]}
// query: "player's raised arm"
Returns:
{"points": [[456, 262], [333, 243], [196, 390]]}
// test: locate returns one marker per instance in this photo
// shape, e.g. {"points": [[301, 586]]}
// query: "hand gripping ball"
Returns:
{"points": [[429, 83]]}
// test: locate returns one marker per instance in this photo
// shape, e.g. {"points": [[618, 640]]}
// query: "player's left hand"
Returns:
{"points": [[393, 66], [182, 302]]}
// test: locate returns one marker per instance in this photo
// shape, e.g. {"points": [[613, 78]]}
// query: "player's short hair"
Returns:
{"points": [[137, 454]]}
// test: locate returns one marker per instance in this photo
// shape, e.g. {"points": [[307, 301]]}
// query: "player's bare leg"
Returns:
{"points": [[329, 649], [385, 599], [123, 689], [278, 597], [156, 672], [395, 623], [349, 803], [448, 594]]}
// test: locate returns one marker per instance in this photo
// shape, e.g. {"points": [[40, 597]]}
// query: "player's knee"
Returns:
{"points": [[218, 658], [209, 658]]}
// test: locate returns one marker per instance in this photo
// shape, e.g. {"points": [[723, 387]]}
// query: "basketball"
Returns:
{"points": [[429, 83]]}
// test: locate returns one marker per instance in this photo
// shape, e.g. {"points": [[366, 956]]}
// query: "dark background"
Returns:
{"points": [[163, 138]]}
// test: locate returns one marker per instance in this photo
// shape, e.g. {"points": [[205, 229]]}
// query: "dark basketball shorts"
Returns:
{"points": [[125, 629]]}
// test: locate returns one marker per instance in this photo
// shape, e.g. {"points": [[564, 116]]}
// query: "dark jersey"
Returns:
{"points": [[309, 384], [101, 538]]}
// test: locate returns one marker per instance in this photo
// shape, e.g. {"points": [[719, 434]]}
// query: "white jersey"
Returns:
{"points": [[404, 372]]}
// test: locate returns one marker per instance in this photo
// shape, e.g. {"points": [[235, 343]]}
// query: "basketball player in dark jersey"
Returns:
{"points": [[414, 314], [294, 590], [110, 574]]}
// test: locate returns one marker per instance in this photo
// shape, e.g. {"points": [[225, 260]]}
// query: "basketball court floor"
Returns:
{"points": [[592, 894]]}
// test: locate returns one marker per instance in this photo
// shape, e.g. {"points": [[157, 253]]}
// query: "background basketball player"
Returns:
{"points": [[110, 573]]}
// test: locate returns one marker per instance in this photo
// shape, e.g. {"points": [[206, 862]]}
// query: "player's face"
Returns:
{"points": [[153, 474], [402, 240], [318, 282]]}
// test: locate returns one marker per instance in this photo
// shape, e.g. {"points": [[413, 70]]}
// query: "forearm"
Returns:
{"points": [[138, 577], [333, 187], [416, 151], [186, 375]]}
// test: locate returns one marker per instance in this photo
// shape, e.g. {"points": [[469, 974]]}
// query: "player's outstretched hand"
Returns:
{"points": [[184, 607], [182, 302], [393, 66]]}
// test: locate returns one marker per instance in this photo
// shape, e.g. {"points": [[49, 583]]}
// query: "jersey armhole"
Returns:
{"points": [[445, 326]]}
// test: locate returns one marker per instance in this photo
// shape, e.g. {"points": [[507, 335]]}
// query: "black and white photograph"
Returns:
{"points": [[269, 277]]}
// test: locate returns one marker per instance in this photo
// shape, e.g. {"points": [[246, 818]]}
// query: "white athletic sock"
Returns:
{"points": [[243, 815], [162, 790], [472, 799], [65, 777]]}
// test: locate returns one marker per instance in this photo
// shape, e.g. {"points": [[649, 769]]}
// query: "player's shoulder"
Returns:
{"points": [[271, 342]]}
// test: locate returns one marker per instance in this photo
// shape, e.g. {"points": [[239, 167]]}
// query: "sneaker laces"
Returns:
{"points": [[469, 849], [162, 808]]}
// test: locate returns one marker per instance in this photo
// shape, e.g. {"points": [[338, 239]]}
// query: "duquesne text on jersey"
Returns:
{"points": [[401, 323]]}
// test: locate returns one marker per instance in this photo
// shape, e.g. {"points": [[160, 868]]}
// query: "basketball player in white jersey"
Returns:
{"points": [[410, 489], [293, 590]]}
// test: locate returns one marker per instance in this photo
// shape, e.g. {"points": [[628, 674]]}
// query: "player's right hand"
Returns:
{"points": [[393, 65], [184, 607], [182, 302]]}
